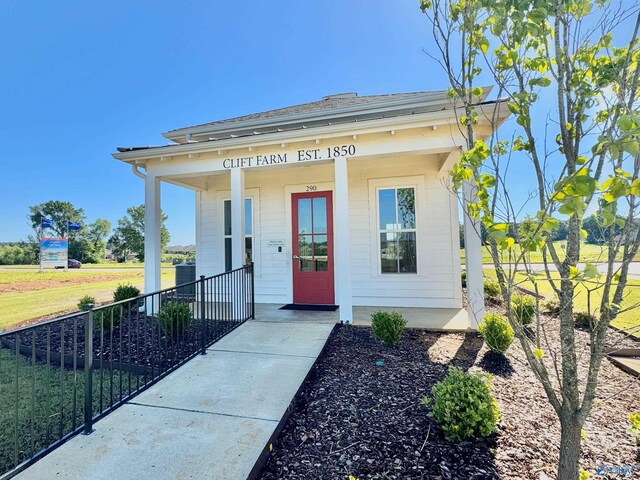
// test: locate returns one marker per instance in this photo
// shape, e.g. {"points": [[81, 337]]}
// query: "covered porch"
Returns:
{"points": [[455, 319]]}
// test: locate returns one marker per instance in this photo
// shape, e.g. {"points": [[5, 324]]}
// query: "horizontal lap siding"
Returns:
{"points": [[437, 285]]}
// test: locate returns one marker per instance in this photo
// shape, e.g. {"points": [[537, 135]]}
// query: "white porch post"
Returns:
{"points": [[341, 240], [237, 218], [152, 223], [473, 258]]}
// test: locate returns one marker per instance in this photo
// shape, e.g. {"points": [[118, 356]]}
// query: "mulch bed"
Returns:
{"points": [[135, 341], [357, 418]]}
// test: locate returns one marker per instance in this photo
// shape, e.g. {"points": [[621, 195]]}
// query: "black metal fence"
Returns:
{"points": [[59, 376]]}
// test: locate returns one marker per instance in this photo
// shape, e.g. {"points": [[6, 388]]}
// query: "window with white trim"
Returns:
{"points": [[397, 229], [248, 233]]}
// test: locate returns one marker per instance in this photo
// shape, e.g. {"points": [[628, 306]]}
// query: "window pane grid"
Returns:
{"points": [[397, 230], [248, 228]]}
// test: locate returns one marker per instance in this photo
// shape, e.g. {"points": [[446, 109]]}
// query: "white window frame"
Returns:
{"points": [[382, 230], [251, 236], [416, 182], [254, 195]]}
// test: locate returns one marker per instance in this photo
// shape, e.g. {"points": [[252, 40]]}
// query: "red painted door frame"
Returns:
{"points": [[312, 286]]}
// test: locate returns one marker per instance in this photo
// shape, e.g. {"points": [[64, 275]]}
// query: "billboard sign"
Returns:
{"points": [[54, 252]]}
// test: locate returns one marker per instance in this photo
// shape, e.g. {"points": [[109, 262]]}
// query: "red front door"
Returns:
{"points": [[312, 248]]}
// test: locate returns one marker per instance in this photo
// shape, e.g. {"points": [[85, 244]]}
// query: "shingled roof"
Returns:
{"points": [[328, 103], [336, 109]]}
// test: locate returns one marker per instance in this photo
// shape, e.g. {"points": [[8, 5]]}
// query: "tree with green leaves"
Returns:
{"points": [[89, 243], [128, 237], [564, 77], [59, 213]]}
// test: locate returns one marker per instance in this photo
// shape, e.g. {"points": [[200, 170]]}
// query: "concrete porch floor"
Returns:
{"points": [[431, 318]]}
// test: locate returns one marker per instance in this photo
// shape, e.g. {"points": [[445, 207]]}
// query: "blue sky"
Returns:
{"points": [[81, 78]]}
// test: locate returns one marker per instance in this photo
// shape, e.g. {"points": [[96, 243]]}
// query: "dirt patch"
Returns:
{"points": [[358, 418], [34, 285]]}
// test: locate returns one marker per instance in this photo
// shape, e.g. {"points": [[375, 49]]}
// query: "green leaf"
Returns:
{"points": [[625, 123]]}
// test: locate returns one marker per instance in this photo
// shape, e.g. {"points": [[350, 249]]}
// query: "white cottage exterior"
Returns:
{"points": [[342, 201]]}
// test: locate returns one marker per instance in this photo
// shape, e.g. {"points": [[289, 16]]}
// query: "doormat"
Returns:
{"points": [[310, 307]]}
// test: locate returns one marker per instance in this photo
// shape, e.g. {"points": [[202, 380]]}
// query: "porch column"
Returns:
{"points": [[237, 218], [473, 258], [341, 240], [152, 223]]}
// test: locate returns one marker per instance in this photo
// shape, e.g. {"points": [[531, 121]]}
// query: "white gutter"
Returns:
{"points": [[137, 173]]}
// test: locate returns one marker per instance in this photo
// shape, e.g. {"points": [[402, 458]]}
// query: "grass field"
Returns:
{"points": [[628, 321], [26, 295], [588, 253], [40, 405]]}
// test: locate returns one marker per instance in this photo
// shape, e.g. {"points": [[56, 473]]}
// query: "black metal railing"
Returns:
{"points": [[59, 376]]}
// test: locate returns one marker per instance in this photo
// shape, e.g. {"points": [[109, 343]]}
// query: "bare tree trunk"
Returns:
{"points": [[570, 438]]}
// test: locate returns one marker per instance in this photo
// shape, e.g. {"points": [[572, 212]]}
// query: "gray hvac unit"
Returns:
{"points": [[185, 273]]}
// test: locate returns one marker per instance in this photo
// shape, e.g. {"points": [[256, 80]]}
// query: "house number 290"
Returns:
{"points": [[312, 188]]}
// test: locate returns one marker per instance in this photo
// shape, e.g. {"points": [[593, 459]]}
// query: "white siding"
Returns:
{"points": [[437, 283]]}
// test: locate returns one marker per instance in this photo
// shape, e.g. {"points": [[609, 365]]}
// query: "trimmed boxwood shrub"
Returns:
{"points": [[552, 306], [491, 290], [388, 327], [462, 405], [174, 318], [86, 302], [463, 278], [497, 332], [584, 320], [524, 308], [124, 291]]}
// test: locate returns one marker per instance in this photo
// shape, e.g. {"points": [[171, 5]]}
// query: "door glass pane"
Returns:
{"points": [[387, 208], [305, 252], [407, 253], [389, 252], [320, 253], [320, 215], [304, 215], [227, 217], [248, 217], [406, 208]]}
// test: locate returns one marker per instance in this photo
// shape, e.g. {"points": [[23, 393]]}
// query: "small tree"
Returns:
{"points": [[128, 237], [561, 55]]}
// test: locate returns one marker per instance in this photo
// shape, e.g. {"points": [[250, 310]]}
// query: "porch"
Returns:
{"points": [[428, 318]]}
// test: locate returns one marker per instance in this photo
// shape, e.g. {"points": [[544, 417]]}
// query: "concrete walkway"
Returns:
{"points": [[210, 419]]}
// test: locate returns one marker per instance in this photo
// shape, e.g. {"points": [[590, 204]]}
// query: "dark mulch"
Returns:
{"points": [[136, 340], [357, 418]]}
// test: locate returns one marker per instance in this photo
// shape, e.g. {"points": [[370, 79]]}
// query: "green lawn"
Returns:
{"points": [[628, 321], [588, 253], [40, 405], [26, 294]]}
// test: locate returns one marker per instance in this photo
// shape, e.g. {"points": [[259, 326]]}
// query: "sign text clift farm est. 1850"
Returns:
{"points": [[304, 155]]}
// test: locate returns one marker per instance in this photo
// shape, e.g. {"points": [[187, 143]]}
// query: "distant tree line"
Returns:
{"points": [[89, 243], [596, 233]]}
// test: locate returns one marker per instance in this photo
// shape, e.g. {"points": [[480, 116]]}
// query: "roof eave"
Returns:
{"points": [[432, 98], [140, 155]]}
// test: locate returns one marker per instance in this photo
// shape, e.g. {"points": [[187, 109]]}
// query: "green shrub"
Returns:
{"points": [[86, 302], [388, 327], [584, 320], [524, 308], [552, 306], [463, 278], [125, 291], [174, 318], [491, 290], [634, 423], [497, 332], [462, 405]]}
